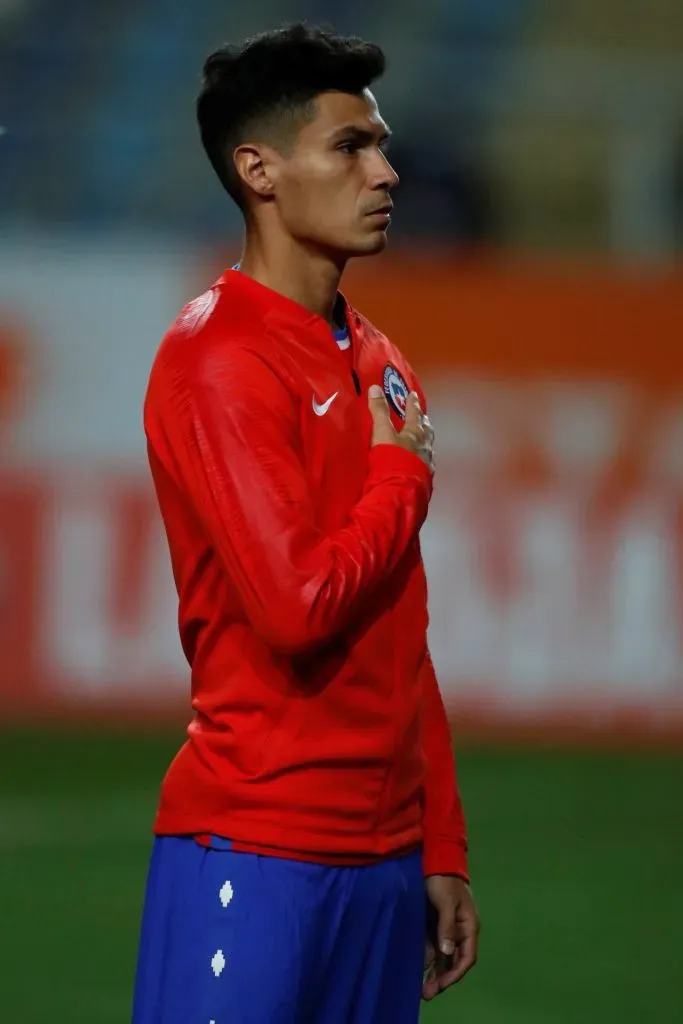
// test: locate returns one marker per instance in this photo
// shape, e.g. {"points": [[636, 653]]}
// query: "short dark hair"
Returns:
{"points": [[269, 84]]}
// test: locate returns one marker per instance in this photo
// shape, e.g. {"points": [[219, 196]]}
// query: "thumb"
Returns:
{"points": [[379, 411], [445, 931], [376, 399]]}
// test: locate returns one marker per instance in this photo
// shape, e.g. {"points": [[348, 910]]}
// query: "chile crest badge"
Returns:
{"points": [[396, 390]]}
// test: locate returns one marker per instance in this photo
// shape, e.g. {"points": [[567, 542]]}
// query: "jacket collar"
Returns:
{"points": [[275, 309]]}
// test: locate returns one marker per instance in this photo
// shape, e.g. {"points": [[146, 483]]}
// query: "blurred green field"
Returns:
{"points": [[577, 860]]}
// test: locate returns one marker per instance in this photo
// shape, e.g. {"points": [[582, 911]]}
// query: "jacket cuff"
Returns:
{"points": [[389, 459], [444, 857]]}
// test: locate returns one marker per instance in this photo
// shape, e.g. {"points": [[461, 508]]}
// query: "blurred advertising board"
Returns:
{"points": [[554, 545]]}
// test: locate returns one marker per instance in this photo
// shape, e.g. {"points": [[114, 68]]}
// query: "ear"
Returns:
{"points": [[255, 168]]}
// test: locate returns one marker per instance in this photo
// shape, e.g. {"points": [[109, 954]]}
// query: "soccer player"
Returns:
{"points": [[309, 843]]}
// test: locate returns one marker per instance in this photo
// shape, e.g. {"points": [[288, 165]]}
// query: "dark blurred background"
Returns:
{"points": [[535, 280]]}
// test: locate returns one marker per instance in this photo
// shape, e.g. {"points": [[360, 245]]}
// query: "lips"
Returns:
{"points": [[382, 210]]}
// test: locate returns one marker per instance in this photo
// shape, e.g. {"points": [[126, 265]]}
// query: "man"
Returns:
{"points": [[310, 834]]}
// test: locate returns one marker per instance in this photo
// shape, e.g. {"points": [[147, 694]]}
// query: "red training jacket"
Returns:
{"points": [[319, 731]]}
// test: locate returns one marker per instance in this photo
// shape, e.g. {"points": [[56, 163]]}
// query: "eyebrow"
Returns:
{"points": [[364, 136]]}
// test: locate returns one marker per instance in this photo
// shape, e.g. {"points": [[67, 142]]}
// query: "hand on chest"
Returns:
{"points": [[336, 426]]}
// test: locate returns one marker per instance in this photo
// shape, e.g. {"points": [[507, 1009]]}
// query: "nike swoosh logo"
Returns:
{"points": [[320, 410]]}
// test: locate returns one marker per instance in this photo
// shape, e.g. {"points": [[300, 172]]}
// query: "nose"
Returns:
{"points": [[385, 177], [393, 176]]}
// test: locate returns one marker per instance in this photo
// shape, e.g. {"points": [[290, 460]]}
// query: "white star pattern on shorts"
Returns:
{"points": [[218, 963], [226, 893]]}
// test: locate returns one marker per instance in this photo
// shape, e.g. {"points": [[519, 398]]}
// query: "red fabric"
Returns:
{"points": [[302, 595], [443, 823]]}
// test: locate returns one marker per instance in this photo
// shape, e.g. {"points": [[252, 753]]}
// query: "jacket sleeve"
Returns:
{"points": [[445, 838], [225, 428]]}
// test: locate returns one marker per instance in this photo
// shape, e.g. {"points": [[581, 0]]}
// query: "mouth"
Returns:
{"points": [[382, 212]]}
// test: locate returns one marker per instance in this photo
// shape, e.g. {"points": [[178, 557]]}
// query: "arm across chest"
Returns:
{"points": [[334, 421]]}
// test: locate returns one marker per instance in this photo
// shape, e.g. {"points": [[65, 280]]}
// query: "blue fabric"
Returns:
{"points": [[239, 938]]}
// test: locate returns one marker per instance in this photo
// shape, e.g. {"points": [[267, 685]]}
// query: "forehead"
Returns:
{"points": [[337, 110]]}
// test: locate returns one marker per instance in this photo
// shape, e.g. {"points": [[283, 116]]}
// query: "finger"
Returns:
{"points": [[466, 958], [445, 929], [430, 954], [381, 420], [430, 985], [378, 403], [427, 442], [428, 429], [413, 417]]}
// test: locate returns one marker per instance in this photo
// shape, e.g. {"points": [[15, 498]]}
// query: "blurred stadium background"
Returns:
{"points": [[535, 280]]}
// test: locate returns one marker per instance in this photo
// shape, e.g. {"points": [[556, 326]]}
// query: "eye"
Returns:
{"points": [[350, 148]]}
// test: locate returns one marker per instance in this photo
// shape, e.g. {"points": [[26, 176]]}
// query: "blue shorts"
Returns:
{"points": [[238, 938]]}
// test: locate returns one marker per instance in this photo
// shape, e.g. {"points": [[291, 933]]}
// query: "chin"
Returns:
{"points": [[371, 245], [366, 244]]}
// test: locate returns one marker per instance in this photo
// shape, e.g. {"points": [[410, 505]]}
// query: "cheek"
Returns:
{"points": [[322, 189], [320, 204]]}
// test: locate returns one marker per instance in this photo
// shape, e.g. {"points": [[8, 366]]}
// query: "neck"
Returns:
{"points": [[300, 273]]}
